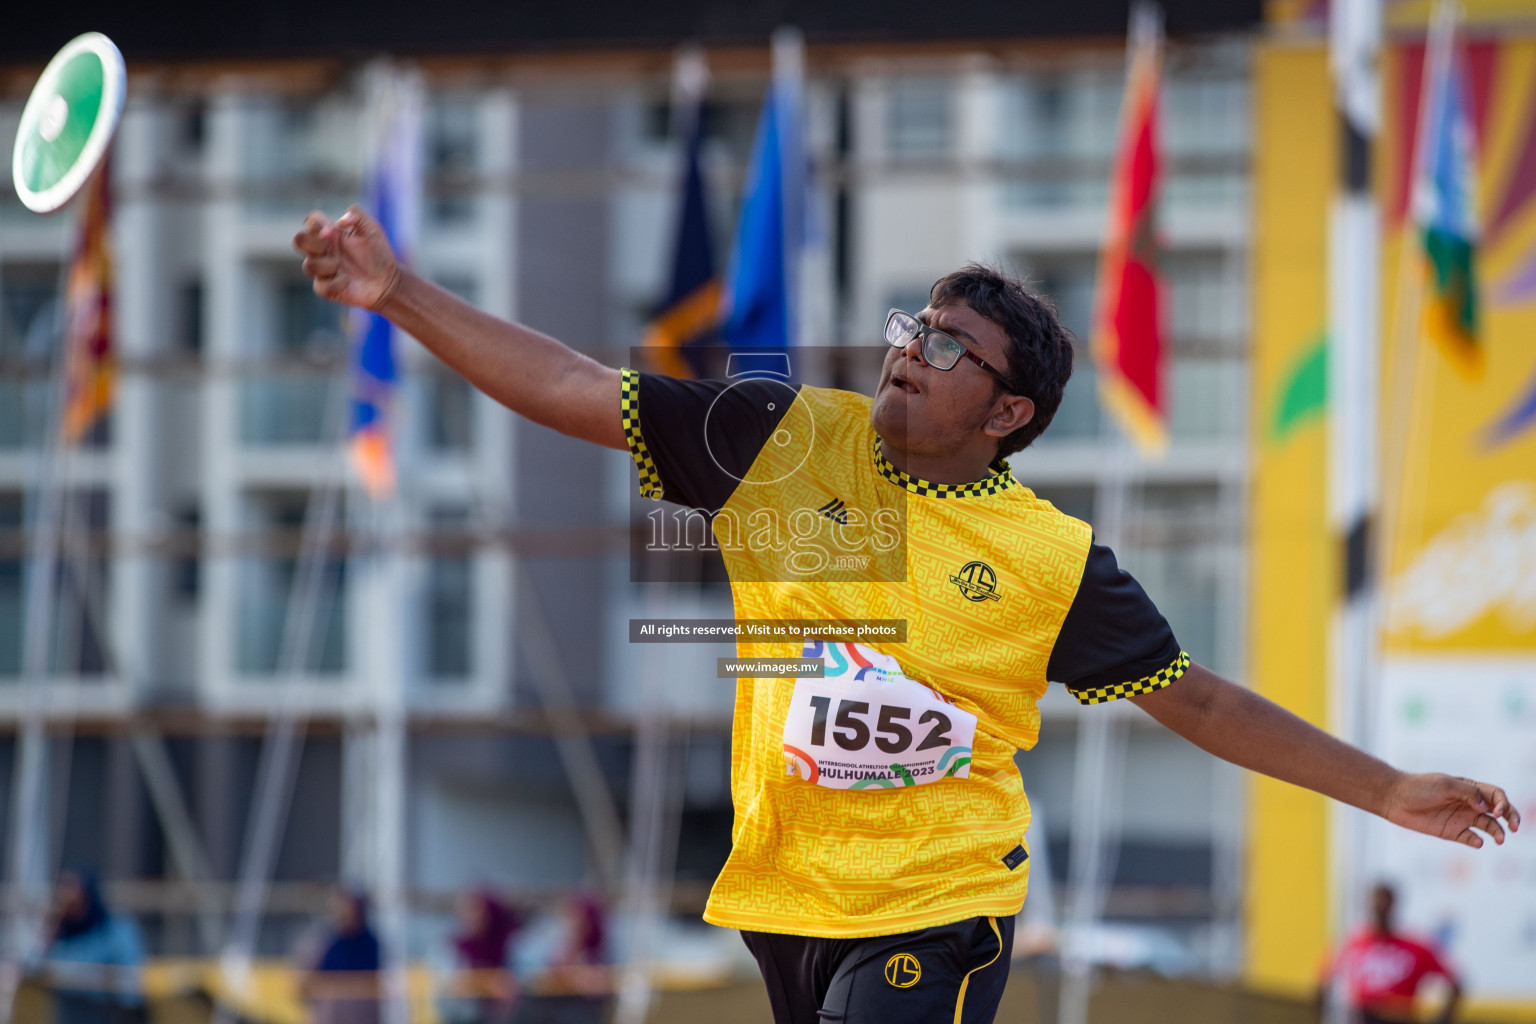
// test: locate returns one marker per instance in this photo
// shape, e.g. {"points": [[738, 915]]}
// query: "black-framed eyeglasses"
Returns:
{"points": [[940, 351]]}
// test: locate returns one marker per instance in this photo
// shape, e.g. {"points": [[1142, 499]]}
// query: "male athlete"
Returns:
{"points": [[877, 854]]}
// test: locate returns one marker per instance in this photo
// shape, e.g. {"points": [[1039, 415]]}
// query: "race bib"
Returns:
{"points": [[865, 725]]}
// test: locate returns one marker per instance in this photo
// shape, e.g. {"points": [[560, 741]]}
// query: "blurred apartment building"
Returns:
{"points": [[550, 199]]}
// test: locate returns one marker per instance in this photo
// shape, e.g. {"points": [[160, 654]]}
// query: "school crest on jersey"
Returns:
{"points": [[976, 581]]}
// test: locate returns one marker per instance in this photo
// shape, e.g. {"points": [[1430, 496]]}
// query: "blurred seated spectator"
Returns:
{"points": [[482, 989], [93, 959], [572, 982], [340, 980]]}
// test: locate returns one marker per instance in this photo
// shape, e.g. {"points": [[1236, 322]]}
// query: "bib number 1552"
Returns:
{"points": [[892, 732], [879, 731]]}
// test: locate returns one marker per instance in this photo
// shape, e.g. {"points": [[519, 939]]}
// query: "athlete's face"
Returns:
{"points": [[922, 410]]}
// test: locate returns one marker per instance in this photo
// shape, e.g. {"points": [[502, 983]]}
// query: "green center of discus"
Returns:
{"points": [[59, 136]]}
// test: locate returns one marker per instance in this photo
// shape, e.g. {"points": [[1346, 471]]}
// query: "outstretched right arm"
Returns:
{"points": [[530, 373]]}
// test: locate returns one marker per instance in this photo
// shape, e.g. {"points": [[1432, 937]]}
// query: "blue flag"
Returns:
{"points": [[392, 192], [1444, 209], [760, 303]]}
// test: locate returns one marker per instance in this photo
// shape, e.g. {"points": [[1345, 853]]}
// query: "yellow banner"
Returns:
{"points": [[1457, 688], [1293, 572], [1458, 510], [1459, 451]]}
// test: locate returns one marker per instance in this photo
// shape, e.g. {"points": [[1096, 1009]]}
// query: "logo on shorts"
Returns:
{"points": [[903, 970], [976, 581]]}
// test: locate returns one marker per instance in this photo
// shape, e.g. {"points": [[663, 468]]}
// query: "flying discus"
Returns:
{"points": [[68, 122]]}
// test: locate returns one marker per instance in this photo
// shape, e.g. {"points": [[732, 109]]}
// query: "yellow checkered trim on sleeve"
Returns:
{"points": [[629, 411], [1147, 684]]}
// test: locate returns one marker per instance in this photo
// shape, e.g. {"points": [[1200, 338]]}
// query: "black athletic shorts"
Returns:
{"points": [[952, 973]]}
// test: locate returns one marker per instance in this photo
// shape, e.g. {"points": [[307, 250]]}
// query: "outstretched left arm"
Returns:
{"points": [[1238, 725]]}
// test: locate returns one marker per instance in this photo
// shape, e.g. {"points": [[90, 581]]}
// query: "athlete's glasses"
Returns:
{"points": [[940, 351]]}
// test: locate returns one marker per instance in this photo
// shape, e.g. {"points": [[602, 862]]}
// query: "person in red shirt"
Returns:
{"points": [[1381, 970]]}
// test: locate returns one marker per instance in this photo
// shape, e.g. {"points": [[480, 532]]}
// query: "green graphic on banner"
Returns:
{"points": [[1304, 394]]}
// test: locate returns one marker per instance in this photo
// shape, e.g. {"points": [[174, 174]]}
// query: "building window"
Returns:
{"points": [[452, 130], [1205, 299], [300, 153], [1060, 115], [308, 324], [274, 522], [303, 139], [1176, 537], [920, 117], [77, 644], [1206, 114], [186, 567], [1061, 127], [189, 309], [1208, 299], [450, 409], [28, 292], [730, 123], [29, 329], [192, 127], [448, 400], [450, 595], [1067, 282], [301, 337], [12, 574], [84, 582]]}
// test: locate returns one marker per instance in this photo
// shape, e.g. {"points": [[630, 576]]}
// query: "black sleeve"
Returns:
{"points": [[1114, 642], [694, 440]]}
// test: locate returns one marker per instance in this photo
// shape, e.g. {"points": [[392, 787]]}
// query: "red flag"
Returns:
{"points": [[90, 370], [1128, 343]]}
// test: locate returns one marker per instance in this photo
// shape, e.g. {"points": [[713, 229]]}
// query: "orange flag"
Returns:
{"points": [[90, 367]]}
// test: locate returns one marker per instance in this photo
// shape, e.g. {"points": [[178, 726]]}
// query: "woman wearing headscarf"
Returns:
{"points": [[341, 985], [93, 959], [482, 990], [575, 984]]}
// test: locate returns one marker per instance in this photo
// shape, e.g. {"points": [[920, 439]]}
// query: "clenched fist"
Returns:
{"points": [[350, 259]]}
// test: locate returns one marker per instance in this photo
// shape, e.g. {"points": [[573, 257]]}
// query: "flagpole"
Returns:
{"points": [[648, 867], [1355, 34], [304, 622], [377, 444], [391, 755], [789, 100], [1407, 356], [1101, 732], [28, 822], [87, 304]]}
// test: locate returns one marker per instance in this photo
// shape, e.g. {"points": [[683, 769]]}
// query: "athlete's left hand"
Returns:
{"points": [[1451, 808]]}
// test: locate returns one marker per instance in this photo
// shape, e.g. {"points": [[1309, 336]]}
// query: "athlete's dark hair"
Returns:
{"points": [[1040, 349]]}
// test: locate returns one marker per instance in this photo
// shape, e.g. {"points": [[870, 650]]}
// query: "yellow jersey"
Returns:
{"points": [[814, 523]]}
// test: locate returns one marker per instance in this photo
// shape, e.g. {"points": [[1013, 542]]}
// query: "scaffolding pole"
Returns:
{"points": [[1098, 771], [278, 767], [1353, 383], [28, 839]]}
